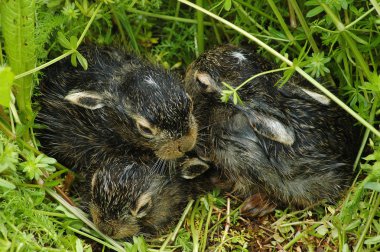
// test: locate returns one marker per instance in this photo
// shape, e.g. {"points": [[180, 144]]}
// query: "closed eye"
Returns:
{"points": [[142, 207], [145, 129]]}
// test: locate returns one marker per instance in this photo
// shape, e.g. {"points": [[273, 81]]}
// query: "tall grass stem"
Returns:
{"points": [[200, 29], [283, 25], [372, 213], [304, 25]]}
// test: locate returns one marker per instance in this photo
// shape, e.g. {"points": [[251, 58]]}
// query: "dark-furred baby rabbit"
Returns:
{"points": [[129, 199], [288, 145], [121, 106]]}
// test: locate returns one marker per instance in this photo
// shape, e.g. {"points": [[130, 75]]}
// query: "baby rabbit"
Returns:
{"points": [[288, 145], [130, 199], [121, 106]]}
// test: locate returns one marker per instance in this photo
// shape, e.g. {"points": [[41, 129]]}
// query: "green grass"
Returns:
{"points": [[331, 43]]}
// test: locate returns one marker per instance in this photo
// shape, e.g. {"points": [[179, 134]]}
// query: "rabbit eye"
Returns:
{"points": [[142, 210], [142, 206], [145, 129]]}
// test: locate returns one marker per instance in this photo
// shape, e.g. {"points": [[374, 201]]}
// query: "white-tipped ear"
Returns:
{"points": [[193, 167], [318, 97], [86, 99], [208, 82], [290, 90], [272, 128]]}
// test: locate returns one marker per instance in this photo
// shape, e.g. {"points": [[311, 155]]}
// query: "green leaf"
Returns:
{"points": [[53, 3], [226, 95], [370, 157], [315, 11], [357, 39], [353, 225], [375, 186], [78, 246], [52, 183], [6, 184], [39, 158], [73, 58], [205, 203], [227, 4], [346, 248], [322, 230], [6, 81], [63, 41], [5, 245], [372, 240], [31, 170], [311, 3], [66, 212], [278, 238], [55, 175], [141, 244], [276, 33], [73, 42], [287, 75], [82, 60], [235, 98], [48, 160], [17, 24]]}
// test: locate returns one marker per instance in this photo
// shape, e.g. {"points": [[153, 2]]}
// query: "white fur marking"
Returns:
{"points": [[284, 136], [151, 81], [240, 57], [318, 97]]}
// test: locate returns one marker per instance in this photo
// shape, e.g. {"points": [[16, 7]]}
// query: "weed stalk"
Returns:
{"points": [[200, 29]]}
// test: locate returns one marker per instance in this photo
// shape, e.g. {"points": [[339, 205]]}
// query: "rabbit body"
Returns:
{"points": [[291, 144], [121, 124], [131, 200], [121, 105]]}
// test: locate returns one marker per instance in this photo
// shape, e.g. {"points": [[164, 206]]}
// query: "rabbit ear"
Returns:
{"points": [[86, 99], [193, 167], [270, 126], [207, 81], [318, 97], [290, 90]]}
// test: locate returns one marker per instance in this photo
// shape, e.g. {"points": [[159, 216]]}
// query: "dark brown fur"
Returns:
{"points": [[121, 106], [292, 144], [118, 124], [131, 200]]}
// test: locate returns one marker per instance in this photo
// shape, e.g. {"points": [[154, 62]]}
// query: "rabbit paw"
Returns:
{"points": [[257, 205]]}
